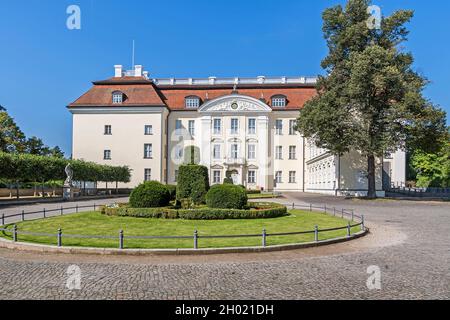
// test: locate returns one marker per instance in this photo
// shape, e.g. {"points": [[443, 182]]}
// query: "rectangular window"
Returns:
{"points": [[147, 151], [279, 127], [278, 176], [292, 124], [216, 176], [234, 151], [291, 176], [217, 126], [292, 152], [108, 130], [251, 126], [107, 155], [147, 174], [252, 176], [148, 130], [251, 151], [192, 102], [234, 126], [178, 127], [279, 102], [191, 126], [216, 151], [279, 152]]}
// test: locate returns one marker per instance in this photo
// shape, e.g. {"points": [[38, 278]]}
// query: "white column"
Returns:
{"points": [[204, 143], [263, 151]]}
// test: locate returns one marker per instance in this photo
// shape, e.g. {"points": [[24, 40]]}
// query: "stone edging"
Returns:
{"points": [[25, 246]]}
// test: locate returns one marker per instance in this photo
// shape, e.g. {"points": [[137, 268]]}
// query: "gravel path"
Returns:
{"points": [[409, 242]]}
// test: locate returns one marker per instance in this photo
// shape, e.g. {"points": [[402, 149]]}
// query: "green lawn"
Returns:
{"points": [[94, 223], [261, 195]]}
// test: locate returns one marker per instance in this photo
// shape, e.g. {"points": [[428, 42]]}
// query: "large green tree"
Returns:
{"points": [[371, 98], [12, 139]]}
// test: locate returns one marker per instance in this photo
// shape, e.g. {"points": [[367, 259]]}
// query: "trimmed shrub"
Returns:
{"points": [[193, 183], [226, 196], [254, 211], [172, 190], [150, 194]]}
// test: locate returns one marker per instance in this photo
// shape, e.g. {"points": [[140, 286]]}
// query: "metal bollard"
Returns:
{"points": [[3, 219], [195, 239], [59, 237], [342, 215], [293, 206], [61, 210], [44, 213], [353, 215], [348, 230], [325, 208], [264, 238], [94, 206], [363, 228], [15, 233], [76, 207], [310, 207], [121, 239], [23, 215], [316, 233], [334, 211]]}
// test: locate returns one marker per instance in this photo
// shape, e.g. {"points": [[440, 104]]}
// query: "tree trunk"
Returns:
{"points": [[371, 192], [17, 190], [117, 188]]}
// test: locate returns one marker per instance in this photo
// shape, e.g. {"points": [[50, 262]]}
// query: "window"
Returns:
{"points": [[176, 176], [279, 152], [108, 130], [216, 151], [292, 152], [291, 176], [279, 101], [251, 151], [292, 124], [178, 127], [234, 126], [192, 102], [234, 151], [117, 97], [147, 174], [216, 176], [251, 126], [191, 126], [217, 127], [251, 176], [279, 126], [147, 151], [278, 175], [148, 130], [107, 155]]}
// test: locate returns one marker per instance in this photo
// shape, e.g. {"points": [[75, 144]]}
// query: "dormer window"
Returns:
{"points": [[279, 101], [117, 97], [192, 102]]}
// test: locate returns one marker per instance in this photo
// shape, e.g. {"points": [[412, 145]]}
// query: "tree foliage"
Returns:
{"points": [[193, 183], [371, 99]]}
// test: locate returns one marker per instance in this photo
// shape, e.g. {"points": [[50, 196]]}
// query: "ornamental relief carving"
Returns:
{"points": [[235, 104]]}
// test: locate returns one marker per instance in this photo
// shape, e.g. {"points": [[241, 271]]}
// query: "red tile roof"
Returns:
{"points": [[140, 91]]}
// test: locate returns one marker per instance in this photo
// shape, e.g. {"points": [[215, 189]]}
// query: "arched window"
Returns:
{"points": [[117, 97], [192, 102], [279, 101]]}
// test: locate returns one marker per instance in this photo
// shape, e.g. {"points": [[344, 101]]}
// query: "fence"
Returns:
{"points": [[421, 192], [354, 220]]}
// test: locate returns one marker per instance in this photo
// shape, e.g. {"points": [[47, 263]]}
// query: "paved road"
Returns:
{"points": [[410, 243]]}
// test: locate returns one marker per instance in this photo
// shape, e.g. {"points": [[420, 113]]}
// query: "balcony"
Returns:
{"points": [[234, 161]]}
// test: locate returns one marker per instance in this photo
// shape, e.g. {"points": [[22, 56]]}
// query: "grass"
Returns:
{"points": [[261, 195], [94, 223]]}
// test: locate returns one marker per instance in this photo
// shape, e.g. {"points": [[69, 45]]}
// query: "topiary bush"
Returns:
{"points": [[172, 190], [226, 196], [150, 194], [193, 183]]}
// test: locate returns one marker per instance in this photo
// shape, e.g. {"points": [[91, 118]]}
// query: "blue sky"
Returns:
{"points": [[44, 66]]}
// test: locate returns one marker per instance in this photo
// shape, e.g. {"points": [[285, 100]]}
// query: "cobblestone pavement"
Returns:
{"points": [[409, 241]]}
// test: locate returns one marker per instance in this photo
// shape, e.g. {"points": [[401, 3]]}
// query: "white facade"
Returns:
{"points": [[233, 133]]}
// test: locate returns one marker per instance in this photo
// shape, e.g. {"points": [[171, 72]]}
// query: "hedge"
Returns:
{"points": [[172, 190], [254, 211], [226, 196], [193, 183], [150, 194]]}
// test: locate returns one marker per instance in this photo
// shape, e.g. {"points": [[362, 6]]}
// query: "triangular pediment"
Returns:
{"points": [[235, 103]]}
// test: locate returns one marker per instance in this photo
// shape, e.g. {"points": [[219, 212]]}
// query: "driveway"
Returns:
{"points": [[409, 243]]}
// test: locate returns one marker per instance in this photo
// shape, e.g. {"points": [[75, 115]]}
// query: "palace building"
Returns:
{"points": [[243, 127]]}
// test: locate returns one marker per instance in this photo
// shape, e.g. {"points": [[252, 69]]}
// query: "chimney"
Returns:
{"points": [[138, 70], [118, 71], [145, 74]]}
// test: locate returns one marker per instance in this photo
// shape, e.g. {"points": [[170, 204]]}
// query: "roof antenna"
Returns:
{"points": [[132, 59]]}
